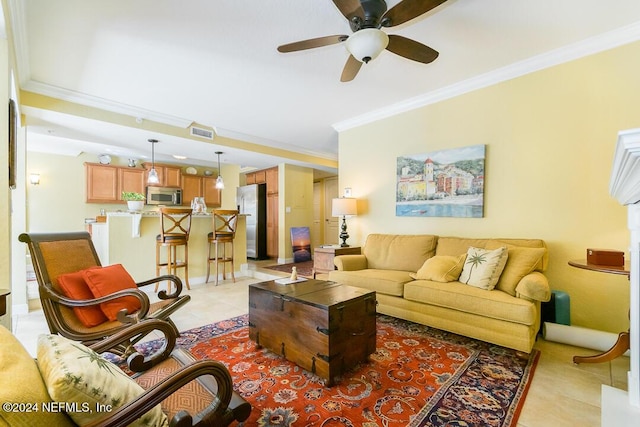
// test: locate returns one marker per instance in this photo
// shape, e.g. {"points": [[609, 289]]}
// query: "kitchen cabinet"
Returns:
{"points": [[168, 175], [201, 186], [271, 178], [272, 225], [131, 179], [212, 195], [101, 183], [191, 187]]}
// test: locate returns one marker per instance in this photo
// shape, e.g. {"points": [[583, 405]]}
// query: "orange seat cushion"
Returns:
{"points": [[108, 280], [74, 287]]}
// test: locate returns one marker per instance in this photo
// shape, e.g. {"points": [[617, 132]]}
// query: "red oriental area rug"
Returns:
{"points": [[417, 377]]}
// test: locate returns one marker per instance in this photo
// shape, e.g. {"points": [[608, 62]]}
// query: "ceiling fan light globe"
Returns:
{"points": [[367, 44]]}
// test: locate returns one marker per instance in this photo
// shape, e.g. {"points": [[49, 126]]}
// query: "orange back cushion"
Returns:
{"points": [[73, 286], [107, 280]]}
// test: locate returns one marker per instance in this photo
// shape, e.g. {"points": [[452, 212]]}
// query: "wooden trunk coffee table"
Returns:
{"points": [[323, 327]]}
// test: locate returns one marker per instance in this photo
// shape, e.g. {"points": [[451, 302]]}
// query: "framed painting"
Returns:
{"points": [[444, 183]]}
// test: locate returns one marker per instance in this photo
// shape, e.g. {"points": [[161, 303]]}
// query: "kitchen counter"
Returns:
{"points": [[130, 239]]}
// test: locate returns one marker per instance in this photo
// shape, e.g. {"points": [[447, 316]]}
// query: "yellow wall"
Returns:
{"points": [[550, 138], [295, 198], [5, 193]]}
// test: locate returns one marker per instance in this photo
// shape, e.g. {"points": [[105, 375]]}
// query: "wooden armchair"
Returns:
{"points": [[56, 254], [175, 381], [188, 392]]}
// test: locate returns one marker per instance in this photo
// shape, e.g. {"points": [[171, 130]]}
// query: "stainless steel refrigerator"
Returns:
{"points": [[252, 201]]}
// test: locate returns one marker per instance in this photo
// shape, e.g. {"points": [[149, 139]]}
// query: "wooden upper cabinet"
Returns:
{"points": [[191, 187], [250, 178], [168, 176], [102, 183], [212, 195], [261, 177], [272, 180], [172, 176], [131, 179]]}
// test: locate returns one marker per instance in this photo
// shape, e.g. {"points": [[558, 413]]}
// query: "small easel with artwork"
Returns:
{"points": [[301, 244]]}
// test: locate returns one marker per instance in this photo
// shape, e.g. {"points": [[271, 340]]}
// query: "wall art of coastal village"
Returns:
{"points": [[445, 183]]}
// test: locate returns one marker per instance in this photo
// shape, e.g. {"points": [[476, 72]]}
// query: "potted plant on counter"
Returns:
{"points": [[135, 201]]}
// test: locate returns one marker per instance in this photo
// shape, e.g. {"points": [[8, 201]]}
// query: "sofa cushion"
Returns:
{"points": [[457, 245], [75, 373], [529, 243], [443, 268], [108, 280], [482, 267], [521, 261], [399, 252], [389, 282], [74, 287], [22, 384], [458, 296]]}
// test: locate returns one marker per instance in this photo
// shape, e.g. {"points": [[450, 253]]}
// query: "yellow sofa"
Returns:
{"points": [[508, 315]]}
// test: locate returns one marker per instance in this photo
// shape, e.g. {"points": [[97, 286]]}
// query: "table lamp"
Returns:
{"points": [[344, 206]]}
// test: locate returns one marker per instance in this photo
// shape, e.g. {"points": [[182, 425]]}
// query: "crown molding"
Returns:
{"points": [[104, 104], [18, 31], [589, 46], [227, 133]]}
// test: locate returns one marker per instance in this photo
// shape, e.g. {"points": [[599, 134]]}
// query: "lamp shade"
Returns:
{"points": [[344, 206], [366, 44]]}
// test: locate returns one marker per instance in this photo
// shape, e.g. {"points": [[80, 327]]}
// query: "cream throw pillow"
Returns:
{"points": [[442, 268], [76, 374], [482, 267]]}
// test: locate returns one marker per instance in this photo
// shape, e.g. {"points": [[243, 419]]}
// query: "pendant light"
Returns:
{"points": [[153, 174], [219, 181]]}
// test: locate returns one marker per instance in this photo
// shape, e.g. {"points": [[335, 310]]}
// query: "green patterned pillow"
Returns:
{"points": [[90, 385]]}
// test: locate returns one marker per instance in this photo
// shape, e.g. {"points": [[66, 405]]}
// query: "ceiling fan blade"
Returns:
{"points": [[406, 10], [351, 69], [312, 43], [350, 8], [411, 49]]}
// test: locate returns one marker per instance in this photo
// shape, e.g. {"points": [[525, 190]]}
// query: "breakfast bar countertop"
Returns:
{"points": [[130, 239]]}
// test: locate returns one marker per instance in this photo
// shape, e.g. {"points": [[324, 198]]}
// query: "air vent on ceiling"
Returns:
{"points": [[202, 132]]}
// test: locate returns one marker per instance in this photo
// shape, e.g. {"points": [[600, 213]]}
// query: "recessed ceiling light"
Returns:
{"points": [[175, 156]]}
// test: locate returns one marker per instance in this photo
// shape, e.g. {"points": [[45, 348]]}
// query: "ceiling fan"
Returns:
{"points": [[366, 17]]}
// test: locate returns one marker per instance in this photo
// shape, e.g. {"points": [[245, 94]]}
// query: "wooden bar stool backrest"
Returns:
{"points": [[224, 223], [175, 224]]}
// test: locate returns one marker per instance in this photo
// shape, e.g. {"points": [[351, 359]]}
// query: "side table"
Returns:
{"points": [[3, 301], [622, 344], [323, 257]]}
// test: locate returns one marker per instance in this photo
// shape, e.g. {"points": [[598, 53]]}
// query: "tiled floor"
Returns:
{"points": [[561, 393]]}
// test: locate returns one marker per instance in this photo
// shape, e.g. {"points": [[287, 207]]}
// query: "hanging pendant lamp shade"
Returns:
{"points": [[153, 174], [219, 180]]}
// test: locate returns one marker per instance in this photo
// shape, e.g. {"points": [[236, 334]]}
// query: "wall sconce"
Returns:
{"points": [[34, 178]]}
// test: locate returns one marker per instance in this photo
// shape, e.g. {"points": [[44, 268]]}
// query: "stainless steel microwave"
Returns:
{"points": [[164, 196]]}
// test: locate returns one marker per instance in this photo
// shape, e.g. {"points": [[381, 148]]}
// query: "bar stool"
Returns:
{"points": [[224, 231], [175, 224]]}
